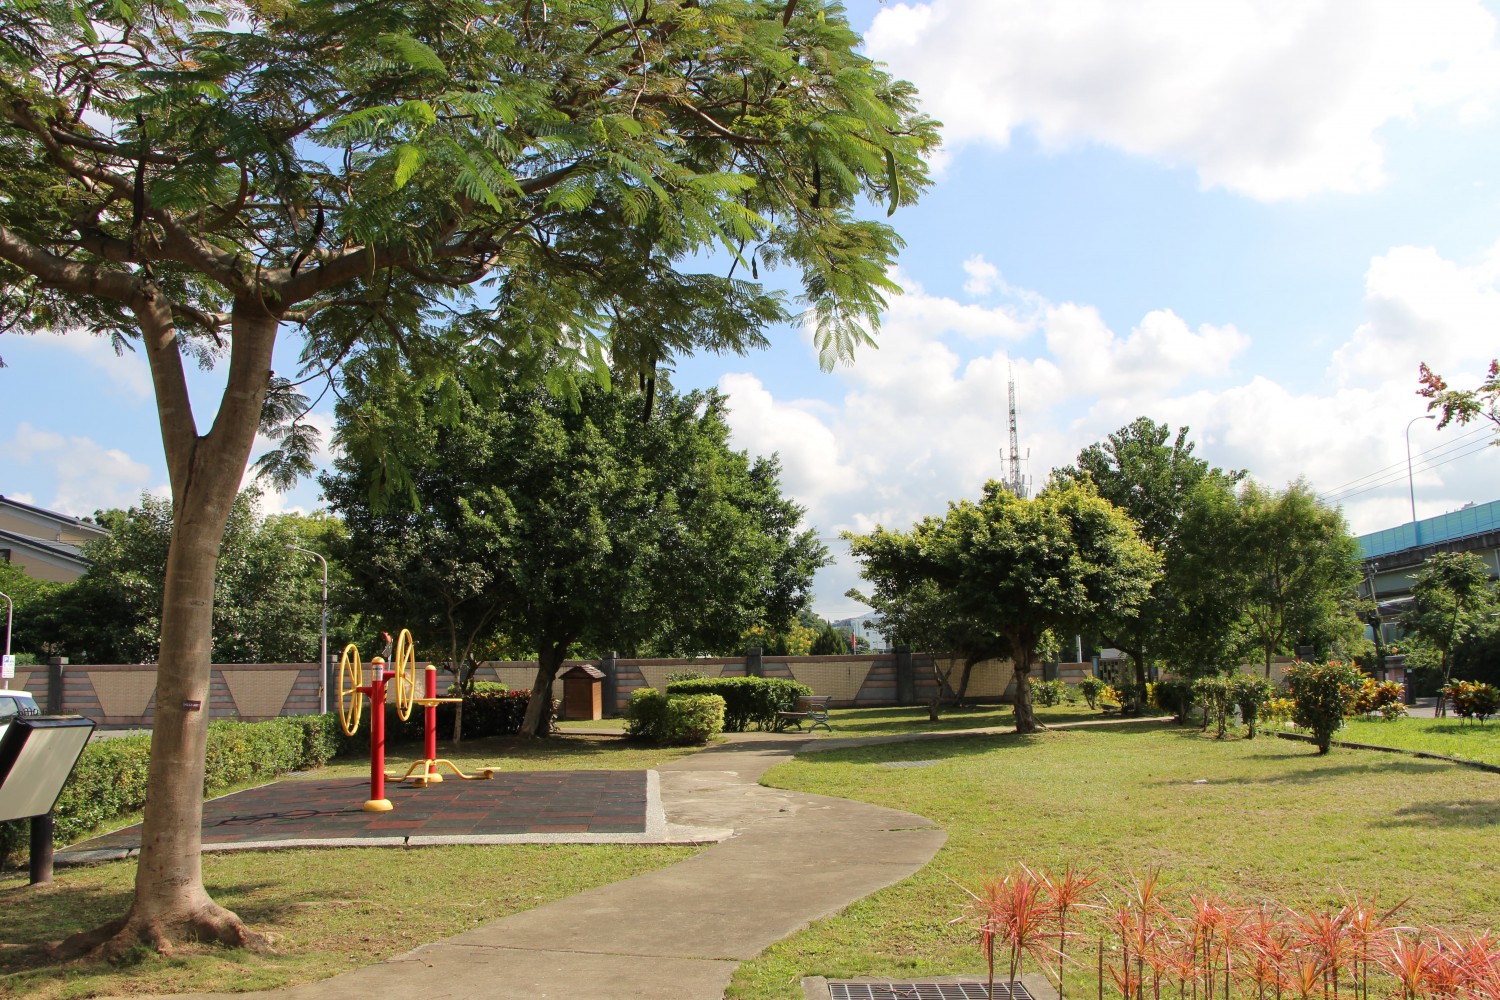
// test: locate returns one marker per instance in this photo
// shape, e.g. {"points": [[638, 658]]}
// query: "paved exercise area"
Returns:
{"points": [[677, 933], [517, 807]]}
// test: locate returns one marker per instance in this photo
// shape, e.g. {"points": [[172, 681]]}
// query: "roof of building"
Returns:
{"points": [[64, 552], [1474, 519], [51, 515]]}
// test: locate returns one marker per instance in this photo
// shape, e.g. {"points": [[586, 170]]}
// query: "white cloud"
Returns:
{"points": [[1272, 98], [1422, 308], [923, 420], [86, 475], [982, 275]]}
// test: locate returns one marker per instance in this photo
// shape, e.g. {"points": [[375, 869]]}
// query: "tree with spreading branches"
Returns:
{"points": [[1150, 474], [426, 180], [915, 611], [1020, 570]]}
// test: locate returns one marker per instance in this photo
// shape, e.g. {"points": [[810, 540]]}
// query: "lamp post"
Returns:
{"points": [[323, 644], [1411, 487], [10, 608]]}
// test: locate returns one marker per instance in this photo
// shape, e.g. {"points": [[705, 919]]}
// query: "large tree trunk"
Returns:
{"points": [[1025, 715], [549, 661], [1139, 658], [171, 903]]}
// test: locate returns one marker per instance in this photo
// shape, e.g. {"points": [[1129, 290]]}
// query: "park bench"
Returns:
{"points": [[812, 709]]}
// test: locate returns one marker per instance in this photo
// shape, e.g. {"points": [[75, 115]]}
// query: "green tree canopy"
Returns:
{"points": [[915, 610], [1058, 563], [1453, 600], [1299, 568], [553, 528], [1151, 475], [434, 180], [267, 598]]}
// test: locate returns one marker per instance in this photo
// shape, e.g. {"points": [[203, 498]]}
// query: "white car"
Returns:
{"points": [[13, 704]]}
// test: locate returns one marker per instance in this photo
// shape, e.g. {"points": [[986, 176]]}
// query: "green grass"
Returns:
{"points": [[1449, 737], [567, 724], [333, 910], [1271, 821], [893, 721]]}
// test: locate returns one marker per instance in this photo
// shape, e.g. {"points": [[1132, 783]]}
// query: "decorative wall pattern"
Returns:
{"points": [[120, 696]]}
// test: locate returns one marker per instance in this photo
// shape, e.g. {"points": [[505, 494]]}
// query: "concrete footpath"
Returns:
{"points": [[677, 933]]}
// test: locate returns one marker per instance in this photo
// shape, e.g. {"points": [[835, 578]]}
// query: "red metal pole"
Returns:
{"points": [[378, 802], [429, 718]]}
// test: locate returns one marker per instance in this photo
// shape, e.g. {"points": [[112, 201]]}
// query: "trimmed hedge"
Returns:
{"points": [[673, 720], [747, 700], [110, 779]]}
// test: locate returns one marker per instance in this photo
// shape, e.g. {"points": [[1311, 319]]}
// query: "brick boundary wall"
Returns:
{"points": [[123, 696]]}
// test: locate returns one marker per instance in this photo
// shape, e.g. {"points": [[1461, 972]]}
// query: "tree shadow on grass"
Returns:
{"points": [[1332, 771], [1458, 814], [946, 748], [36, 916]]}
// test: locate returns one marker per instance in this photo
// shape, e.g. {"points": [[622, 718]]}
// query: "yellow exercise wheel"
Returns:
{"points": [[351, 701], [406, 674]]}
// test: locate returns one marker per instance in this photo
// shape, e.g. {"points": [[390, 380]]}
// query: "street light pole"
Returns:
{"points": [[1411, 487], [10, 608], [323, 644]]}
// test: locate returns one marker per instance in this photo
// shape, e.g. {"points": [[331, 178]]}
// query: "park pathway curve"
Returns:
{"points": [[679, 932]]}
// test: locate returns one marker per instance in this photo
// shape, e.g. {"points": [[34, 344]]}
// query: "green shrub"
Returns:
{"points": [[645, 715], [1249, 694], [1048, 693], [1212, 692], [747, 700], [674, 719], [1092, 689], [1322, 695], [693, 718]]}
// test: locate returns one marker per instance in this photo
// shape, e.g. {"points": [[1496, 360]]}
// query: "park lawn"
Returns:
{"points": [[1450, 737], [333, 910], [903, 721], [1272, 821], [567, 724]]}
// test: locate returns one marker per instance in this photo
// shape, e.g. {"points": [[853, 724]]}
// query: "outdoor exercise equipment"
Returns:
{"points": [[352, 694], [425, 771]]}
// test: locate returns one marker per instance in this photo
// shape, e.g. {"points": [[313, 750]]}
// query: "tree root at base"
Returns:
{"points": [[208, 924]]}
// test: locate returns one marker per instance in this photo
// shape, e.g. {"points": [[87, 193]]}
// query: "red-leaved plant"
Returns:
{"points": [[1216, 948]]}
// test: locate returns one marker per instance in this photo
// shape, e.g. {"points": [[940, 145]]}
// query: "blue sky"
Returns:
{"points": [[1253, 219]]}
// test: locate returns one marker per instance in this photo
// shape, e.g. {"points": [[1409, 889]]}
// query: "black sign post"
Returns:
{"points": [[37, 756]]}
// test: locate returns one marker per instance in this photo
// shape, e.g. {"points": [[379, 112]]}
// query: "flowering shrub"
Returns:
{"points": [[1324, 693], [1473, 699], [1279, 710], [1380, 696], [1092, 689]]}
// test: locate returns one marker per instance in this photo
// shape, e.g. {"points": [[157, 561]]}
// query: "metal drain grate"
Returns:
{"points": [[924, 991], [909, 763]]}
